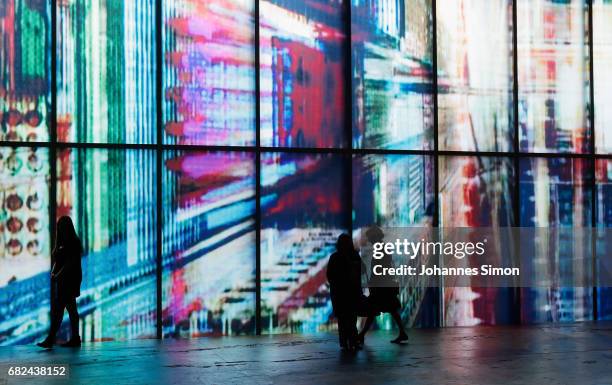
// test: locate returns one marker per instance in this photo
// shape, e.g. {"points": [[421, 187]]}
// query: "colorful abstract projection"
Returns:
{"points": [[107, 168]]}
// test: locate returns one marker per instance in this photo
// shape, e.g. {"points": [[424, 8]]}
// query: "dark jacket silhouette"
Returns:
{"points": [[67, 272], [66, 277], [344, 277]]}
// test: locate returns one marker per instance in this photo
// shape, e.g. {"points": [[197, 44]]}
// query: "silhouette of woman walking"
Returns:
{"points": [[66, 276], [383, 297]]}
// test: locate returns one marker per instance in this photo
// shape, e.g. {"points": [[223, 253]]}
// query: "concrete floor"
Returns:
{"points": [[570, 354]]}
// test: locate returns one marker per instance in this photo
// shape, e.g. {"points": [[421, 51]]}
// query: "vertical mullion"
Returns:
{"points": [[158, 161], [516, 161], [515, 90], [257, 176], [436, 217], [348, 113], [53, 135], [436, 186], [593, 161]]}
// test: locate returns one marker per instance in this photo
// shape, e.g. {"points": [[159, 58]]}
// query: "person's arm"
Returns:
{"points": [[56, 266], [58, 270], [331, 270]]}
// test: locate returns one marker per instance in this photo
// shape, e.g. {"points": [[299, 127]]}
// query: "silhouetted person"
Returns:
{"points": [[344, 276], [382, 298], [66, 276]]}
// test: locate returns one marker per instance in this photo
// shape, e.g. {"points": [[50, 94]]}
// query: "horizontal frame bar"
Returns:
{"points": [[300, 150]]}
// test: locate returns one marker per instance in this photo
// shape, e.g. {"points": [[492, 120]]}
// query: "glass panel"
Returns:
{"points": [[304, 209], [477, 192], [24, 70], [391, 190], [604, 192], [553, 75], [110, 195], [209, 243], [302, 73], [603, 178], [392, 74], [555, 192], [475, 76], [396, 191], [106, 71], [209, 74], [24, 244], [602, 62]]}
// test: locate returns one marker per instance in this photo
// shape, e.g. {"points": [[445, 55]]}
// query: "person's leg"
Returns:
{"points": [[57, 313], [73, 313], [351, 325], [366, 326], [342, 331], [398, 321]]}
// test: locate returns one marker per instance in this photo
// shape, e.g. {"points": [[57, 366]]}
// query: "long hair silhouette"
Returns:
{"points": [[344, 244], [66, 236]]}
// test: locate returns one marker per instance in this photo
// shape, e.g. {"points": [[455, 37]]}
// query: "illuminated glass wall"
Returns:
{"points": [[25, 70], [210, 152], [304, 209], [209, 72], [553, 76], [477, 191], [24, 243], [396, 191], [208, 243], [603, 213], [392, 64], [110, 194], [475, 76], [556, 192], [602, 60], [302, 73], [105, 71]]}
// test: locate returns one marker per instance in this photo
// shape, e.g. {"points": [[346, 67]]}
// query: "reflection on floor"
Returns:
{"points": [[572, 354]]}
